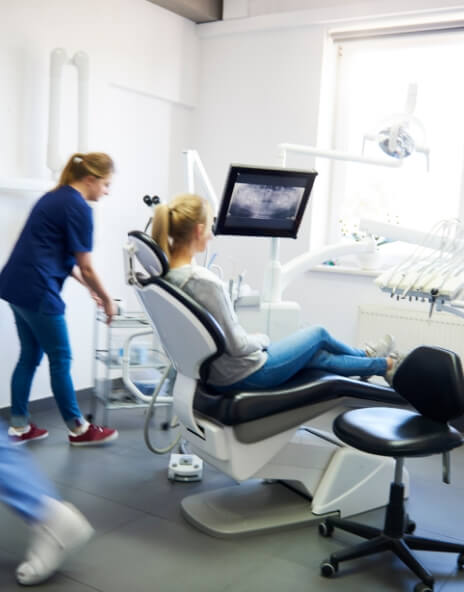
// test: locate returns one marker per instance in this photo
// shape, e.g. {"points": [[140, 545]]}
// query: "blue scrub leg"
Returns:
{"points": [[311, 347], [22, 486], [39, 333]]}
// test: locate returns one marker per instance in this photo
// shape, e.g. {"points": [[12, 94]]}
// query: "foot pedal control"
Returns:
{"points": [[185, 467]]}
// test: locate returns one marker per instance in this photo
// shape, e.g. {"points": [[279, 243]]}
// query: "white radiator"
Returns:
{"points": [[411, 327]]}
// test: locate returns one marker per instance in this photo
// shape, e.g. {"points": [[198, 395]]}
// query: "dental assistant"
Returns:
{"points": [[56, 242]]}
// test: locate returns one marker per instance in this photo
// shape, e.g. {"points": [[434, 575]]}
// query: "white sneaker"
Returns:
{"points": [[63, 531], [397, 359], [381, 349]]}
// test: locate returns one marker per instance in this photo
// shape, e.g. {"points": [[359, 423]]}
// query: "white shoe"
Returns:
{"points": [[381, 349], [397, 359], [63, 531]]}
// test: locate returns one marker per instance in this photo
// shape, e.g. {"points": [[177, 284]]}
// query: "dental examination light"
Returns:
{"points": [[397, 141], [286, 147], [401, 134]]}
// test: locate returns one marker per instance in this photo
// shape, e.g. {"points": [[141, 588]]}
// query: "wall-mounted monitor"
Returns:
{"points": [[260, 201]]}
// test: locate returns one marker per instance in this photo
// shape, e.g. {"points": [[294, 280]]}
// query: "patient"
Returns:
{"points": [[182, 229]]}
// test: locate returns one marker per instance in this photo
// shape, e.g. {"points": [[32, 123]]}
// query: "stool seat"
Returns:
{"points": [[432, 381], [394, 432]]}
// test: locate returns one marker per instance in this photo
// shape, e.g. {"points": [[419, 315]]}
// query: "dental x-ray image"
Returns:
{"points": [[264, 201], [260, 201]]}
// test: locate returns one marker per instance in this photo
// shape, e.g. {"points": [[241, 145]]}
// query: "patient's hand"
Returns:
{"points": [[263, 340]]}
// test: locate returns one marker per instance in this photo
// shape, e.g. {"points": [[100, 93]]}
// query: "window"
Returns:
{"points": [[373, 76]]}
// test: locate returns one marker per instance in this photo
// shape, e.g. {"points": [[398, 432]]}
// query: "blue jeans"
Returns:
{"points": [[39, 333], [22, 487], [312, 347]]}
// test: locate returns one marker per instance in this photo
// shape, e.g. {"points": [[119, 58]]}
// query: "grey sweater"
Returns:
{"points": [[244, 353]]}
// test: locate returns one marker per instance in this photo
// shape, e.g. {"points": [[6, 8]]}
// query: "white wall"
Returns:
{"points": [[143, 68], [263, 81]]}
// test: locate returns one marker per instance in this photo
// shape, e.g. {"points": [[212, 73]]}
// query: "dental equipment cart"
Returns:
{"points": [[127, 367], [121, 354]]}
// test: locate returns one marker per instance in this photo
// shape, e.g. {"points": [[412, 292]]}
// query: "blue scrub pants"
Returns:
{"points": [[22, 486], [311, 347], [39, 333]]}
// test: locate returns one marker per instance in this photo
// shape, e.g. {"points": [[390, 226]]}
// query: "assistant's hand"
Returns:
{"points": [[110, 309], [96, 298]]}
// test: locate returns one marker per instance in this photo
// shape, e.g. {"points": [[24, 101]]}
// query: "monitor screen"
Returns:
{"points": [[259, 201]]}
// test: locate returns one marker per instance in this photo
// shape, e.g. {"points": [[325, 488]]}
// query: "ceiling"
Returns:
{"points": [[198, 11]]}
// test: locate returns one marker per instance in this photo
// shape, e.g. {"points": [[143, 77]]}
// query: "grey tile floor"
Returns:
{"points": [[143, 544]]}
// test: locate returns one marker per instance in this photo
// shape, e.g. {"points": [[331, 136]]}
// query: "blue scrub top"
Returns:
{"points": [[59, 225]]}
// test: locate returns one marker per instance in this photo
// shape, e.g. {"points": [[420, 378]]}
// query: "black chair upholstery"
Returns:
{"points": [[232, 406], [242, 409], [431, 380], [149, 254]]}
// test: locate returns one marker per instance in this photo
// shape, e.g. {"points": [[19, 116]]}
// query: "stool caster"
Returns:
{"points": [[325, 529], [328, 569]]}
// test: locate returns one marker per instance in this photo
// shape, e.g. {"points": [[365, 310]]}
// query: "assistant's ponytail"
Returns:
{"points": [[97, 164]]}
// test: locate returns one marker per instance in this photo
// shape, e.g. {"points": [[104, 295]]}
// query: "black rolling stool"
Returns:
{"points": [[431, 380]]}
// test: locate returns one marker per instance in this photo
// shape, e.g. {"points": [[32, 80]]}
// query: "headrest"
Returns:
{"points": [[174, 313], [149, 254], [431, 379]]}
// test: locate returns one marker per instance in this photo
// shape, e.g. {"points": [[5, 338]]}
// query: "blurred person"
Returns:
{"points": [[55, 242], [58, 529]]}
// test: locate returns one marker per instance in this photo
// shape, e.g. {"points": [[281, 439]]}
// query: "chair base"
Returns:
{"points": [[394, 537], [249, 508]]}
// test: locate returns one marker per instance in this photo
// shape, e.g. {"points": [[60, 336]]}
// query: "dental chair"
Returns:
{"points": [[431, 379], [289, 473]]}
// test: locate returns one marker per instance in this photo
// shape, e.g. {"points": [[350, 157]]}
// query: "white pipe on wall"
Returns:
{"points": [[81, 61], [58, 59]]}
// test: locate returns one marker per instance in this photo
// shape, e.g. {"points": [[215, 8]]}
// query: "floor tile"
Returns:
{"points": [[57, 583], [143, 544], [156, 554]]}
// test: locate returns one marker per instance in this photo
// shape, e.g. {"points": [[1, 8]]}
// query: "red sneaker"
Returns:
{"points": [[94, 436], [34, 433]]}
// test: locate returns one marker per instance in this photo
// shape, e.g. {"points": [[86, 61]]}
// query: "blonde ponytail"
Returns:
{"points": [[97, 164], [160, 228], [174, 223]]}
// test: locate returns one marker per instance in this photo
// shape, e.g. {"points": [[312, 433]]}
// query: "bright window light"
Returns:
{"points": [[372, 85]]}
